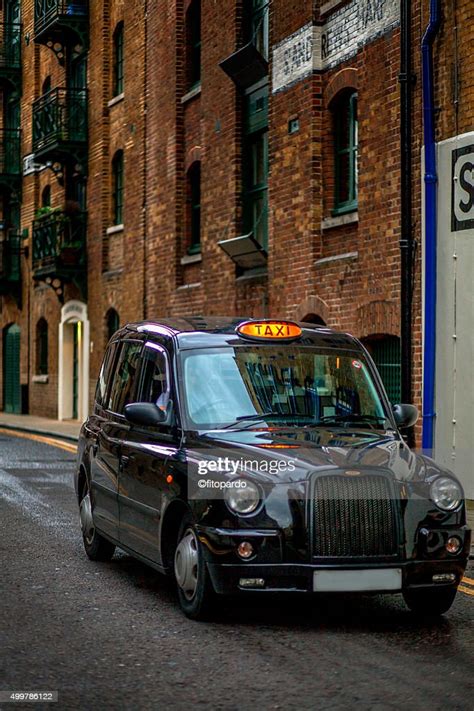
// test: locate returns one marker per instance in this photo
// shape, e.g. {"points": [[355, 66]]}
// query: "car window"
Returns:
{"points": [[104, 374], [153, 385], [124, 382]]}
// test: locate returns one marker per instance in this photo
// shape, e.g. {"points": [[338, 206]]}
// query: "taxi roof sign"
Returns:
{"points": [[269, 330]]}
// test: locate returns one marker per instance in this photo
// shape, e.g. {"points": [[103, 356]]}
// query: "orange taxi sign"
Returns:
{"points": [[270, 330]]}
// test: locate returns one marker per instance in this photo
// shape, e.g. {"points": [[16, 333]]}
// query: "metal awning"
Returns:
{"points": [[246, 66], [245, 251]]}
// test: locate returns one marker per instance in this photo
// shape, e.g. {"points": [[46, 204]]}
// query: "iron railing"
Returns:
{"points": [[59, 117], [10, 151], [10, 45], [49, 11], [10, 244], [59, 241]]}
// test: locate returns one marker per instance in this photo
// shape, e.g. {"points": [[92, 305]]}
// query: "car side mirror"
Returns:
{"points": [[145, 413], [405, 415]]}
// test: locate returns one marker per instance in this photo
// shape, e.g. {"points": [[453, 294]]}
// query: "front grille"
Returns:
{"points": [[354, 516]]}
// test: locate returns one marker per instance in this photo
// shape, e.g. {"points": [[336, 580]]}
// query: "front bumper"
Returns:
{"points": [[286, 577]]}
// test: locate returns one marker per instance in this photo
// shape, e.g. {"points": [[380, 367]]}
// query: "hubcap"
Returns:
{"points": [[87, 523], [186, 564]]}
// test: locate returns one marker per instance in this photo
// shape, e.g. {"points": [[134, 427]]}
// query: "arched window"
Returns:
{"points": [[117, 188], [42, 347], [385, 350], [46, 196], [344, 113], [46, 86], [193, 44], [118, 60], [194, 208], [112, 322]]}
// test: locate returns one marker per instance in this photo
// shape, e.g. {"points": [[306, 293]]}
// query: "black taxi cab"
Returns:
{"points": [[244, 455]]}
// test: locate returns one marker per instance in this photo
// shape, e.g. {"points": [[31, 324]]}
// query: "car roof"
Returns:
{"points": [[202, 331]]}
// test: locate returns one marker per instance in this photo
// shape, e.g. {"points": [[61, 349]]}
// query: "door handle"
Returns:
{"points": [[124, 460]]}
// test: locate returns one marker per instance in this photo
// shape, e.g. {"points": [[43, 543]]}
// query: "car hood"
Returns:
{"points": [[310, 450]]}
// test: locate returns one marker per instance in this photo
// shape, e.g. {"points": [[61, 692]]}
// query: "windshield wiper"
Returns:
{"points": [[353, 417], [263, 415]]}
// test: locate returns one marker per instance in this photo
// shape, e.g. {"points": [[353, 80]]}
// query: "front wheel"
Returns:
{"points": [[195, 591], [429, 603], [96, 546]]}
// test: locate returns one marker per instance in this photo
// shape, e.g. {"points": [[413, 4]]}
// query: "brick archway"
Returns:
{"points": [[378, 317], [193, 156], [345, 79], [313, 305]]}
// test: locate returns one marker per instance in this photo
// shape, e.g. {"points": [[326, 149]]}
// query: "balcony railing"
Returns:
{"points": [[59, 244], [60, 119], [10, 151], [10, 46], [10, 271], [50, 12]]}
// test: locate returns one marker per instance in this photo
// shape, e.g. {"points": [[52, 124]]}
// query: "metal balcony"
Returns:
{"points": [[10, 266], [10, 52], [10, 157], [62, 23], [60, 124], [59, 246]]}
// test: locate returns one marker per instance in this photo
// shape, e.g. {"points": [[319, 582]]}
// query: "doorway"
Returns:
{"points": [[74, 347], [11, 370]]}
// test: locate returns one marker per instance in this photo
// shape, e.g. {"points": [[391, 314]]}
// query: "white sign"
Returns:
{"points": [[462, 204], [30, 166], [318, 48]]}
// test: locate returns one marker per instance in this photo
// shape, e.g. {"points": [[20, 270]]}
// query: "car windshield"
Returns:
{"points": [[250, 386]]}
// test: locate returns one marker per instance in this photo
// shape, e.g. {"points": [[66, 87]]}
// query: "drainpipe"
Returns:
{"points": [[406, 237], [430, 179]]}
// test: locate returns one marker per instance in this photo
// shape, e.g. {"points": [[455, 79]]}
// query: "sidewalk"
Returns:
{"points": [[68, 429]]}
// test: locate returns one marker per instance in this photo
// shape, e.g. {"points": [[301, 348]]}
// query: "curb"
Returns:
{"points": [[44, 433]]}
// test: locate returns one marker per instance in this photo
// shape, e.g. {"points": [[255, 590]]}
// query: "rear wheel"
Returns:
{"points": [[429, 603], [195, 592], [96, 547]]}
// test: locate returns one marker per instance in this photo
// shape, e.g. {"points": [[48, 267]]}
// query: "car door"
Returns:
{"points": [[144, 455], [105, 450]]}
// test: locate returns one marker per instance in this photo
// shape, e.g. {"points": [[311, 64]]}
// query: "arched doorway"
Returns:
{"points": [[74, 347], [11, 370]]}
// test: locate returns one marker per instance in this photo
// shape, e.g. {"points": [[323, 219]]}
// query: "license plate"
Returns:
{"points": [[357, 580]]}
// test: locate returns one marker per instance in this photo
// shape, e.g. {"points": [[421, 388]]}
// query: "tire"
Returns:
{"points": [[96, 546], [195, 591], [429, 603]]}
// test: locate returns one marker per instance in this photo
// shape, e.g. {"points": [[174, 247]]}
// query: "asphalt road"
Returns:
{"points": [[110, 635]]}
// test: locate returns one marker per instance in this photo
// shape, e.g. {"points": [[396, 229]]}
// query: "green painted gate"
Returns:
{"points": [[11, 370], [386, 355]]}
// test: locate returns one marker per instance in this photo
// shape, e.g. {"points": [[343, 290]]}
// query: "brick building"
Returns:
{"points": [[184, 156]]}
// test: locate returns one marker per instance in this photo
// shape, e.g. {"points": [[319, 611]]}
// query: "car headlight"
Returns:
{"points": [[243, 496], [446, 493]]}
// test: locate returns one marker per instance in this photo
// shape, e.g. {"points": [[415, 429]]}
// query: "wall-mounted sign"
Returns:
{"points": [[30, 166], [462, 193], [346, 30]]}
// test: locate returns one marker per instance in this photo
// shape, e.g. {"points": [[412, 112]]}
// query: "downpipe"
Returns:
{"points": [[430, 180]]}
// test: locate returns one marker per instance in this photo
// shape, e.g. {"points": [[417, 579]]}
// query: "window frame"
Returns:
{"points": [[345, 106], [122, 345], [151, 346], [258, 19], [194, 208], [255, 131], [118, 60], [118, 187], [193, 45]]}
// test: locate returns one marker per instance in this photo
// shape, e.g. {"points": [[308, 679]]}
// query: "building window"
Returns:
{"points": [[118, 63], [194, 208], [112, 322], [386, 353], [345, 152], [193, 44], [42, 347], [117, 188], [46, 197], [46, 86], [258, 25], [255, 166]]}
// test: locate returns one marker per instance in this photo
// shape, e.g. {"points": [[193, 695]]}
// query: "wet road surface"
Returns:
{"points": [[111, 635]]}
